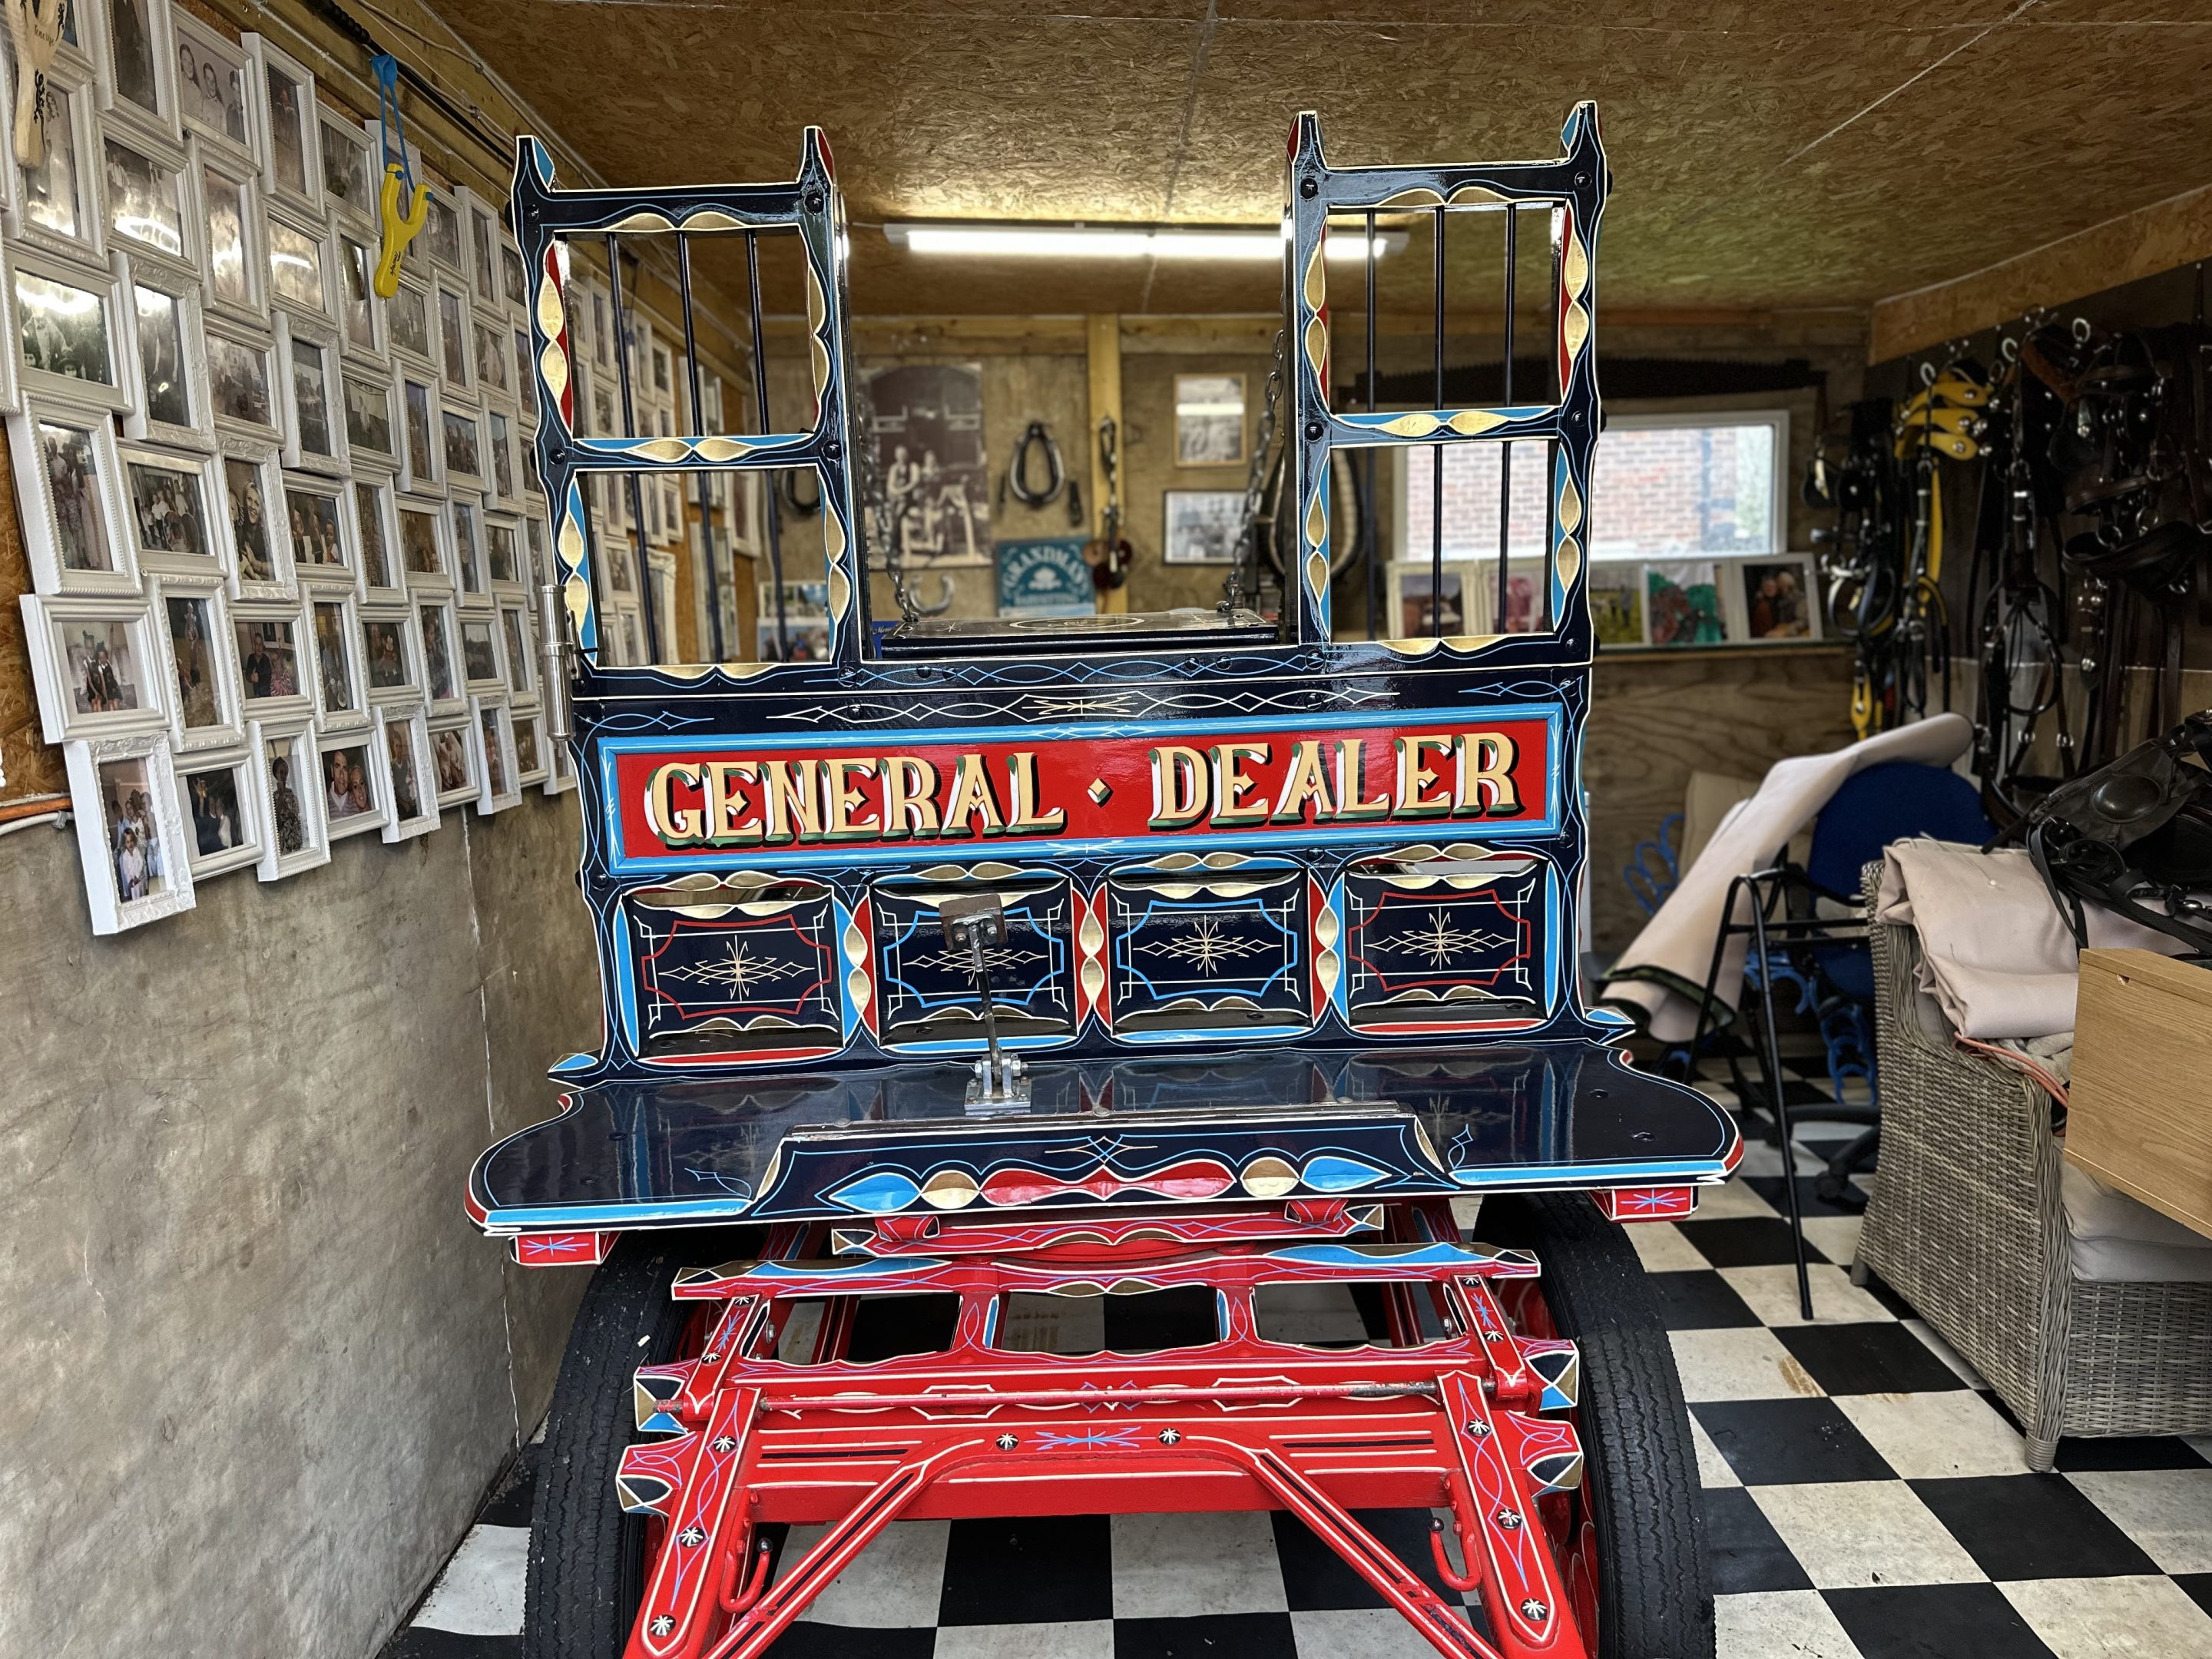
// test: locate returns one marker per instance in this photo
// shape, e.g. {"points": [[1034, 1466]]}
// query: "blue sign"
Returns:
{"points": [[1045, 578]]}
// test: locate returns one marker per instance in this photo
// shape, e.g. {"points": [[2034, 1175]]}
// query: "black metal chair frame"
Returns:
{"points": [[1764, 928]]}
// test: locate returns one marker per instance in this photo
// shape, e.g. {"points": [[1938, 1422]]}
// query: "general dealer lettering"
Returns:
{"points": [[732, 802]]}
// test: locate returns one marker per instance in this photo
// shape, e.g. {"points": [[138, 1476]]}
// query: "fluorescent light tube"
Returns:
{"points": [[1120, 242]]}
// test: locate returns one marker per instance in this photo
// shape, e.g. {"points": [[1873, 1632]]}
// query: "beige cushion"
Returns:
{"points": [[2112, 1239]]}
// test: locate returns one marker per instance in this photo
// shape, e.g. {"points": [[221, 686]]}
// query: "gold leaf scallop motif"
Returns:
{"points": [[856, 945], [1316, 521], [1570, 508], [1416, 425], [1094, 977], [857, 989], [1327, 966], [550, 312], [1568, 561], [816, 305], [1468, 422], [949, 1189], [1476, 193], [570, 542], [1090, 935], [1268, 1176], [841, 592], [714, 219], [1411, 648], [833, 535], [1316, 278], [720, 449], [642, 223], [1316, 343], [1574, 328], [666, 450], [684, 670], [1317, 575], [1326, 927], [553, 368], [1419, 196], [1574, 267], [821, 369]]}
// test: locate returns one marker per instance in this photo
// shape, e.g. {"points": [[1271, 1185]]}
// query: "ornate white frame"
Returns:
{"points": [[111, 912]]}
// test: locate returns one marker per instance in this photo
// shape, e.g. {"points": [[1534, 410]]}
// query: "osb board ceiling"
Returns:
{"points": [[1768, 156]]}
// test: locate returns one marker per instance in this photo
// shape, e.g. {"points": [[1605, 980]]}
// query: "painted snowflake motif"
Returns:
{"points": [[740, 972], [691, 1537], [1440, 943], [663, 1626], [1204, 945]]}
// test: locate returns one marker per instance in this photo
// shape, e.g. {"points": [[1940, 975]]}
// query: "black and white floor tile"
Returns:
{"points": [[1868, 1498]]}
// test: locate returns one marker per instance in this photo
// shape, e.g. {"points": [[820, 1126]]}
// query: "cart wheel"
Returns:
{"points": [[1632, 1541], [587, 1558]]}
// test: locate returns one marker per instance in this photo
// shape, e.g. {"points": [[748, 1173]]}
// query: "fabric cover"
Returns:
{"points": [[2114, 1240], [1662, 976], [1994, 953]]}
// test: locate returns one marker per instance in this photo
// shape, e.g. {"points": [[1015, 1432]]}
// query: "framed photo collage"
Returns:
{"points": [[283, 535]]}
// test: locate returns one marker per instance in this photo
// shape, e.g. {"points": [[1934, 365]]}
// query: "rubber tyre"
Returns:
{"points": [[586, 1568], [1640, 1479]]}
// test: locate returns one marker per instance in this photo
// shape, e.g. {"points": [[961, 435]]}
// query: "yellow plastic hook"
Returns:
{"points": [[399, 229]]}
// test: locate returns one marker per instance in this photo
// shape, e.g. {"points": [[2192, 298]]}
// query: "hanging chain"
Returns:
{"points": [[1255, 482]]}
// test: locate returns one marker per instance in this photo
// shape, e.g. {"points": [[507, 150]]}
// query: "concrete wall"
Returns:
{"points": [[259, 1369]]}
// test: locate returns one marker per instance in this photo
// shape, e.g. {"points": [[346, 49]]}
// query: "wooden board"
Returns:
{"points": [[2136, 1116]]}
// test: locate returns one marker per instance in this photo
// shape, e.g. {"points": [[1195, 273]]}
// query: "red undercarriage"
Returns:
{"points": [[1449, 1415]]}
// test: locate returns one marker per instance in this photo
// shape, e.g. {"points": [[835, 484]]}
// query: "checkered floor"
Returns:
{"points": [[1867, 1497]]}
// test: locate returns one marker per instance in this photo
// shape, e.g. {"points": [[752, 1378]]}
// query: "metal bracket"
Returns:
{"points": [[975, 924]]}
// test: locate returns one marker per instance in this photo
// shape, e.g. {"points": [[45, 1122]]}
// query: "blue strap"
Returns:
{"points": [[394, 129]]}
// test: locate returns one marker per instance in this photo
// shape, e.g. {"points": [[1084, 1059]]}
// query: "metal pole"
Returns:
{"points": [[1436, 456], [1505, 450], [768, 479], [1376, 584], [629, 430], [706, 480]]}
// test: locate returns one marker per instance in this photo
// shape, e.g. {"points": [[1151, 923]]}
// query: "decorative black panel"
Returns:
{"points": [[1446, 939], [1212, 946], [928, 994], [742, 966]]}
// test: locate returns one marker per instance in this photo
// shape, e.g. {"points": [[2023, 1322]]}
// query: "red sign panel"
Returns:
{"points": [[1425, 777]]}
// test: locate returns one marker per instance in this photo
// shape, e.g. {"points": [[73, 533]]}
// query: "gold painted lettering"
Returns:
{"points": [[676, 827], [1021, 766], [1485, 774], [1180, 791], [1415, 775], [1308, 781], [1351, 785], [840, 797], [971, 794], [794, 795], [910, 798], [725, 805], [1230, 785]]}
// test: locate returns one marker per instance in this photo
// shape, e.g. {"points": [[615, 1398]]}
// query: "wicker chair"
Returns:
{"points": [[1965, 1224]]}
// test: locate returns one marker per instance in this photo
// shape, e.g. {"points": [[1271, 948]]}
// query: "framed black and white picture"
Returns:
{"points": [[1209, 411], [1201, 525]]}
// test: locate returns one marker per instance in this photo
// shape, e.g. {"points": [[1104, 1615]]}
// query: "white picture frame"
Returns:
{"points": [[295, 840], [453, 334], [135, 66], [411, 330], [233, 237], [340, 679], [421, 435], [59, 207], [253, 510], [69, 500], [300, 276], [273, 652], [325, 542], [191, 622], [368, 400], [518, 646], [483, 661], [291, 129], [506, 555], [455, 766], [461, 447], [351, 262], [96, 663], [392, 654], [502, 472], [245, 387], [233, 837], [144, 180], [498, 786], [443, 688], [442, 239], [307, 359], [464, 519], [376, 529], [158, 372], [356, 803], [406, 729], [173, 506], [227, 112], [129, 837], [426, 545], [481, 236], [533, 749], [561, 766], [351, 175], [65, 330]]}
